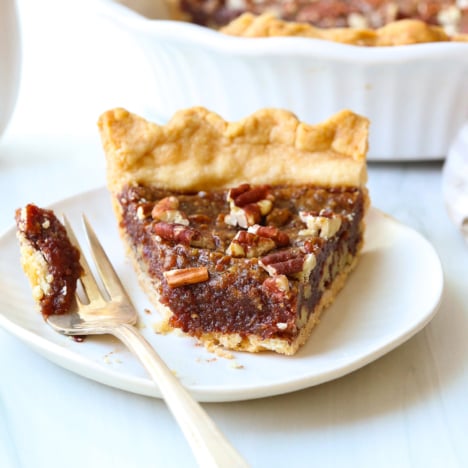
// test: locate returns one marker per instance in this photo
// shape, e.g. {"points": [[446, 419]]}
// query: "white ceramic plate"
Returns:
{"points": [[392, 294]]}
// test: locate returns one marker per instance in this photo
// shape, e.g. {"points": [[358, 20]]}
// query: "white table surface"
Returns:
{"points": [[407, 409]]}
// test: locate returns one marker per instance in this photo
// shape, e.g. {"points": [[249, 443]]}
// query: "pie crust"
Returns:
{"points": [[196, 158], [402, 32], [198, 150]]}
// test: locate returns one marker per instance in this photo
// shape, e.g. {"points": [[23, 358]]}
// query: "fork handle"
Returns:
{"points": [[209, 446]]}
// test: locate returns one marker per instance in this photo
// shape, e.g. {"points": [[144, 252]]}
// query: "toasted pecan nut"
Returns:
{"points": [[185, 276], [167, 210], [249, 194], [185, 235], [324, 224], [276, 285], [247, 244], [175, 232], [248, 204], [291, 262], [144, 210], [281, 239]]}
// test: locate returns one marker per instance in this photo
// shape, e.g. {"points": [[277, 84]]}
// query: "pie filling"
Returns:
{"points": [[48, 258], [449, 14], [250, 261]]}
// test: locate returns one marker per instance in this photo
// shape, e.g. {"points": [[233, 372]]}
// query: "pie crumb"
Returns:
{"points": [[218, 350], [236, 365], [162, 327]]}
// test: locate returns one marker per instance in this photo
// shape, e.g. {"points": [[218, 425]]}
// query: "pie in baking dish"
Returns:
{"points": [[241, 233], [450, 15], [403, 32]]}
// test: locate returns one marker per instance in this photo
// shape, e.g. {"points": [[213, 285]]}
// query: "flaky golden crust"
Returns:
{"points": [[198, 150], [403, 32]]}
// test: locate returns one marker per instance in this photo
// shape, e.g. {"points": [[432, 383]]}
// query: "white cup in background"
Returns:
{"points": [[10, 60]]}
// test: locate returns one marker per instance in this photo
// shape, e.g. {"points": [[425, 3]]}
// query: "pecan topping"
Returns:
{"points": [[248, 204], [281, 239], [276, 288], [291, 262], [278, 285], [184, 276], [309, 264], [245, 194], [144, 210], [325, 224], [185, 235], [247, 244], [166, 210]]}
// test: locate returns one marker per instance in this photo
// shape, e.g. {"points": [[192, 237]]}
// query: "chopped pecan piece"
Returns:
{"points": [[308, 265], [278, 284], [185, 235], [291, 262], [281, 239], [247, 244], [144, 210], [244, 217], [324, 224], [184, 276], [276, 287], [248, 204], [166, 210]]}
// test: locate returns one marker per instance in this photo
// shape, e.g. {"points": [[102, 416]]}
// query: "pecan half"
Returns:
{"points": [[184, 276], [248, 204], [246, 194], [247, 244]]}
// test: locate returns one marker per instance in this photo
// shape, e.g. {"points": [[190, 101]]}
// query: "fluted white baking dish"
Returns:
{"points": [[416, 96]]}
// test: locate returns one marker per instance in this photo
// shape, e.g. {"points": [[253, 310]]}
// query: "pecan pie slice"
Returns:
{"points": [[49, 260], [241, 232]]}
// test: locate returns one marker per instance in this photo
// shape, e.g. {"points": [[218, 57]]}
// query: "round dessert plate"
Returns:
{"points": [[393, 293]]}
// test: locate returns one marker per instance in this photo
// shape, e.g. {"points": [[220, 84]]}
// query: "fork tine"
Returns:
{"points": [[108, 275], [87, 280]]}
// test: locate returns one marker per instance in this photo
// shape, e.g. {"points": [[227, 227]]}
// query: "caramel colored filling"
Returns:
{"points": [[258, 259]]}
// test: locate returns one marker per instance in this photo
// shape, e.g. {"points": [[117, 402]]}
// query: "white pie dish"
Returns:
{"points": [[415, 96], [392, 294]]}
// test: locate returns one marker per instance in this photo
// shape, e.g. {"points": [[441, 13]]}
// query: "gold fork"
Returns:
{"points": [[114, 314]]}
